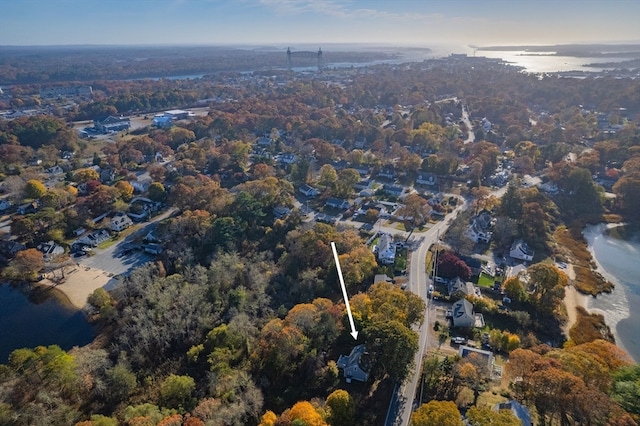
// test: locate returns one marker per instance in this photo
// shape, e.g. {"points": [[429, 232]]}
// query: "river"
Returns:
{"points": [[616, 250], [38, 318]]}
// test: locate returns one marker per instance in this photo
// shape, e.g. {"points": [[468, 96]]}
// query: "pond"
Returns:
{"points": [[39, 318]]}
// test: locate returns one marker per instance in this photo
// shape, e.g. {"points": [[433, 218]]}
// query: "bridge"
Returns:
{"points": [[304, 54]]}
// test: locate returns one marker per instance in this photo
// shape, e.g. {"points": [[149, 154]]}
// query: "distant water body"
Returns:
{"points": [[616, 250], [30, 319]]}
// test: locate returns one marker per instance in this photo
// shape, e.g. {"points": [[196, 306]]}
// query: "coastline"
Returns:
{"points": [[615, 307], [78, 285]]}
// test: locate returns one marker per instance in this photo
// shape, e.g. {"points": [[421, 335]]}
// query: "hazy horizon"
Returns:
{"points": [[277, 23]]}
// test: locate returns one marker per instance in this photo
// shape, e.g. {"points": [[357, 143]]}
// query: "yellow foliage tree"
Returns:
{"points": [[306, 412], [437, 413], [268, 419]]}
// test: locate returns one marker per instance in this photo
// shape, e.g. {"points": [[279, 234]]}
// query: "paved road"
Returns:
{"points": [[402, 404], [471, 136], [110, 259]]}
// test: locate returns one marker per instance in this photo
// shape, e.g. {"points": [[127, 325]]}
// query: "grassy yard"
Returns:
{"points": [[485, 280]]}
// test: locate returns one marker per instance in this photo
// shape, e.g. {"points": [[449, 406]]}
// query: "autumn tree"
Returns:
{"points": [[546, 284], [176, 391], [392, 346], [416, 210], [328, 176], [26, 265], [342, 409], [85, 175], [514, 289], [437, 413], [157, 192], [451, 266], [34, 189], [126, 190], [485, 416]]}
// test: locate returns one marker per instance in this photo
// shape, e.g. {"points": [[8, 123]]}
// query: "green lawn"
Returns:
{"points": [[485, 280]]}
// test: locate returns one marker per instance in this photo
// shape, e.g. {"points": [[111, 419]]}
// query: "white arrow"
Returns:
{"points": [[354, 333]]}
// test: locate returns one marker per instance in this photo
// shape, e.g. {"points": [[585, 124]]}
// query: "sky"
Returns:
{"points": [[280, 23]]}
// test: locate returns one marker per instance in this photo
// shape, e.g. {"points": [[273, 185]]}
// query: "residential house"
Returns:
{"points": [[337, 203], [465, 351], [308, 191], [382, 278], [474, 264], [107, 175], [280, 212], [4, 205], [95, 238], [264, 142], [386, 250], [50, 250], [354, 366], [462, 287], [8, 249], [520, 250], [120, 222], [479, 230], [394, 190], [428, 179], [55, 170], [387, 173], [463, 315], [29, 208], [288, 159], [518, 410], [477, 235]]}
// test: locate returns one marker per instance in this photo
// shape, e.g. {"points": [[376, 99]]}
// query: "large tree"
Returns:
{"points": [[437, 413]]}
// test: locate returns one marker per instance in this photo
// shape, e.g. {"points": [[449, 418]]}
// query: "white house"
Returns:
{"points": [[353, 366], [475, 234], [386, 250], [120, 222], [520, 250]]}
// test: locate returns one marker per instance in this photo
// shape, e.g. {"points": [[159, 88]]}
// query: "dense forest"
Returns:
{"points": [[240, 320]]}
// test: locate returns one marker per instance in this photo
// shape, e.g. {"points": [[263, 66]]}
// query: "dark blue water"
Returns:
{"points": [[30, 319]]}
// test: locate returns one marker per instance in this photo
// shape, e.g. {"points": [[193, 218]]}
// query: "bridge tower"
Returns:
{"points": [[305, 54]]}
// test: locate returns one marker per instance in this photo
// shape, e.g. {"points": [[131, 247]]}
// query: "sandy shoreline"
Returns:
{"points": [[572, 299], [79, 283]]}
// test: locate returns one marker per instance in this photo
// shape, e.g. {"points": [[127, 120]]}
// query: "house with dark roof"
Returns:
{"points": [[50, 250], [354, 366], [337, 203], [463, 315], [308, 191]]}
